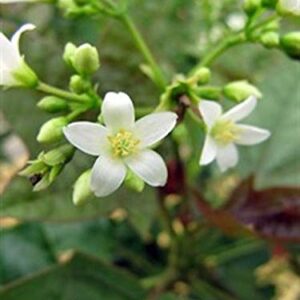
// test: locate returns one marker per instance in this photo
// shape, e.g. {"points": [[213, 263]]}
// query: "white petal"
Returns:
{"points": [[227, 157], [16, 37], [251, 135], [8, 56], [6, 78], [154, 127], [118, 111], [107, 176], [241, 110], [88, 137], [149, 166], [209, 151], [210, 111]]}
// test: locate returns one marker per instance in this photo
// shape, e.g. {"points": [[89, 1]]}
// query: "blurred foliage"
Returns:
{"points": [[35, 261]]}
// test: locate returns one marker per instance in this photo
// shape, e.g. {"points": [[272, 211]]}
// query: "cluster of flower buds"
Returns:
{"points": [[76, 8], [44, 170], [269, 35], [85, 61], [282, 7]]}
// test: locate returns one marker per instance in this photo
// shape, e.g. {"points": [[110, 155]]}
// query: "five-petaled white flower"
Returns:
{"points": [[122, 144], [13, 69], [223, 133]]}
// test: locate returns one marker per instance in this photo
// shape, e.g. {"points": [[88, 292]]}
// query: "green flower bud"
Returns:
{"points": [[269, 3], [288, 8], [51, 131], [270, 39], [25, 76], [59, 155], [251, 6], [36, 167], [69, 53], [202, 76], [82, 190], [290, 43], [240, 90], [52, 104], [54, 172], [134, 182], [78, 85], [209, 92], [42, 184], [86, 60]]}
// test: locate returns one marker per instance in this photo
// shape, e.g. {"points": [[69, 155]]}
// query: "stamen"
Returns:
{"points": [[225, 132], [123, 143]]}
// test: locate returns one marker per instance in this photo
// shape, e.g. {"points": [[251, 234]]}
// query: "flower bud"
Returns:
{"points": [[24, 76], [270, 39], [240, 90], [288, 8], [52, 104], [69, 53], [290, 43], [251, 6], [86, 60], [82, 190], [78, 85], [58, 156], [36, 167], [51, 131], [202, 76], [209, 92]]}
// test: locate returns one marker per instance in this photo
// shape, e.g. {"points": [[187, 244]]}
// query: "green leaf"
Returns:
{"points": [[56, 204], [79, 277], [23, 249]]}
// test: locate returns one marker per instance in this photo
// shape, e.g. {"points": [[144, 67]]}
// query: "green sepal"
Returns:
{"points": [[59, 155], [133, 182]]}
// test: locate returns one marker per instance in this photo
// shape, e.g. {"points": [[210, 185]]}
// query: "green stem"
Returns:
{"points": [[48, 89], [142, 46], [225, 44], [230, 41]]}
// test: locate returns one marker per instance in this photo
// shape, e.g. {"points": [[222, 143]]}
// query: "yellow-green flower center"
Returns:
{"points": [[225, 132], [123, 143]]}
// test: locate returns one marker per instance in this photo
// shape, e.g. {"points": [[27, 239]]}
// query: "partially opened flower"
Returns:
{"points": [[224, 133], [13, 69], [122, 144]]}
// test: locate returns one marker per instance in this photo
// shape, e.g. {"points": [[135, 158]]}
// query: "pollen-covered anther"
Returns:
{"points": [[225, 132], [123, 143]]}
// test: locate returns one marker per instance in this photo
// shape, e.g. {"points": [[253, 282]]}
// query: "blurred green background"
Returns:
{"points": [[102, 250]]}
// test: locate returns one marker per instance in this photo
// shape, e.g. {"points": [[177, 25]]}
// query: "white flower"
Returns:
{"points": [[223, 133], [13, 69], [122, 144]]}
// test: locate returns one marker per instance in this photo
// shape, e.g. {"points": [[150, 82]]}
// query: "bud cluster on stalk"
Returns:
{"points": [[44, 170], [84, 61]]}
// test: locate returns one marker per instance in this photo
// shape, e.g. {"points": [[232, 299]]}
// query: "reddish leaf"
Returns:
{"points": [[219, 217], [272, 213]]}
